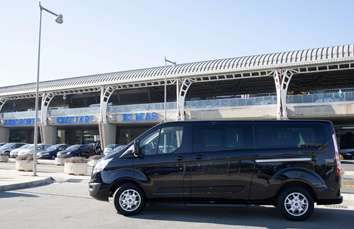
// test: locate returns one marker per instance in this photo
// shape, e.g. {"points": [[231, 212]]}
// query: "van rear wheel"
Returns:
{"points": [[295, 203], [129, 199]]}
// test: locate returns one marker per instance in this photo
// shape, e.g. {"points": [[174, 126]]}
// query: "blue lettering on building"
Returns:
{"points": [[19, 122], [137, 117], [75, 119]]}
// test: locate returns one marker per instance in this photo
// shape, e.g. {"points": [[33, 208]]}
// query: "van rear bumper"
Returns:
{"points": [[330, 201]]}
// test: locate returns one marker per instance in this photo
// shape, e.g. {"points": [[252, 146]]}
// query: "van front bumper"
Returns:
{"points": [[94, 188], [97, 188], [98, 191]]}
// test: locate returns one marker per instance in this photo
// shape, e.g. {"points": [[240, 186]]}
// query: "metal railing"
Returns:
{"points": [[195, 104]]}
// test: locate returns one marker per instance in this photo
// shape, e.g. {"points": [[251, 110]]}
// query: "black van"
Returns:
{"points": [[289, 164]]}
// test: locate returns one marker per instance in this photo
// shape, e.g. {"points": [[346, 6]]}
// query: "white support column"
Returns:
{"points": [[2, 102], [107, 131], [61, 134], [4, 134], [46, 99], [105, 95], [282, 81], [48, 133], [182, 89]]}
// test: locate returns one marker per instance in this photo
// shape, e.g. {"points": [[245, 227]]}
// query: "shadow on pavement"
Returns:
{"points": [[256, 216], [14, 194]]}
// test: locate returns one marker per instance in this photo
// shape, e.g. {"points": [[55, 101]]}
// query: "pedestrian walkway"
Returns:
{"points": [[12, 179]]}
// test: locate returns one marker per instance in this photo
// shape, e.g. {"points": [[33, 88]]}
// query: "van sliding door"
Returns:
{"points": [[222, 160]]}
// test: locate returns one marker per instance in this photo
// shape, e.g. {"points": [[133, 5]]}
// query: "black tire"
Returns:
{"points": [[295, 203], [129, 199]]}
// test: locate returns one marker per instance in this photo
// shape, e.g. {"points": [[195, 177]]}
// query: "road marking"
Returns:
{"points": [[7, 165], [348, 185]]}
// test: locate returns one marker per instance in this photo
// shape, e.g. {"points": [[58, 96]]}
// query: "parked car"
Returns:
{"points": [[14, 152], [10, 146], [115, 150], [52, 151], [289, 164], [30, 149], [119, 148], [2, 143], [347, 151], [109, 148], [78, 151]]}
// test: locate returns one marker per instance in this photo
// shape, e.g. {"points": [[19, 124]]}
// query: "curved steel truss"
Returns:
{"points": [[334, 58]]}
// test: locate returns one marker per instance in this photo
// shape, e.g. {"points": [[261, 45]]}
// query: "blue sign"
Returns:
{"points": [[135, 117], [74, 119], [19, 122]]}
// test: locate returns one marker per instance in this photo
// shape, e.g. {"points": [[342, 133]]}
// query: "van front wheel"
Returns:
{"points": [[295, 203], [129, 199]]}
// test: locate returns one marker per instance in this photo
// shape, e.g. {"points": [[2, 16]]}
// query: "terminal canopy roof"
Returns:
{"points": [[318, 68]]}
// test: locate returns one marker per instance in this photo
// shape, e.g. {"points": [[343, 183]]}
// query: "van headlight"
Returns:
{"points": [[100, 165]]}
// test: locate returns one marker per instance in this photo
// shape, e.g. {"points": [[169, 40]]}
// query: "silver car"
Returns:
{"points": [[14, 152], [10, 146], [30, 149]]}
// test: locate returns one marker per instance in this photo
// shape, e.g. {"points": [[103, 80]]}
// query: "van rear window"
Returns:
{"points": [[290, 135]]}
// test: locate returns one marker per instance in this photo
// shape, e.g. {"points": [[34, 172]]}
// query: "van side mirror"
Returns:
{"points": [[136, 149], [132, 152]]}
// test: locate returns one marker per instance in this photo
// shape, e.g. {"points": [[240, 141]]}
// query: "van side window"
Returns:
{"points": [[161, 141], [290, 135], [148, 144], [219, 137], [170, 139]]}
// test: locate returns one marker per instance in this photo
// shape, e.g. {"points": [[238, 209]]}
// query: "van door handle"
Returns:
{"points": [[179, 158], [198, 157]]}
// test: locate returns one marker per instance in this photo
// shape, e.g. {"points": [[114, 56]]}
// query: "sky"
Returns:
{"points": [[105, 36]]}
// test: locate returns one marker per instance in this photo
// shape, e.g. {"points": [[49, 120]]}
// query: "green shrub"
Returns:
{"points": [[28, 157], [76, 160], [63, 156], [96, 157]]}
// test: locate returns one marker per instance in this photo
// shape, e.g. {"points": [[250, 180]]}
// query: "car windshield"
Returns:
{"points": [[74, 147], [111, 146], [53, 148], [30, 146], [7, 145], [43, 146], [24, 146], [118, 148]]}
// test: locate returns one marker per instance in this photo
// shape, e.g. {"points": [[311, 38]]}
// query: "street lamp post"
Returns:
{"points": [[59, 20], [165, 88]]}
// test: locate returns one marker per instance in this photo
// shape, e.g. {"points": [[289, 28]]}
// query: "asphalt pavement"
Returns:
{"points": [[11, 179]]}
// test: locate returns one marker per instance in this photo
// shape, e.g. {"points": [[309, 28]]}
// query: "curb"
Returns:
{"points": [[39, 161], [25, 184]]}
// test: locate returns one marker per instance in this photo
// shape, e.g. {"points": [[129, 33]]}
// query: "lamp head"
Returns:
{"points": [[59, 19]]}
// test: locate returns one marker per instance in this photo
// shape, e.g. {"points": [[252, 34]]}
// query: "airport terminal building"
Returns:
{"points": [[117, 107]]}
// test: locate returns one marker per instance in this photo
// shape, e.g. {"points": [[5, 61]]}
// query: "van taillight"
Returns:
{"points": [[336, 153]]}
